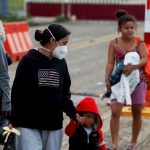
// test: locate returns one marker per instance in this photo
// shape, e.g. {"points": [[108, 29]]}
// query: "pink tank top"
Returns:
{"points": [[119, 54]]}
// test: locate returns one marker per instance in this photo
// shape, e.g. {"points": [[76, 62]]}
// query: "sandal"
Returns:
{"points": [[110, 148], [131, 147]]}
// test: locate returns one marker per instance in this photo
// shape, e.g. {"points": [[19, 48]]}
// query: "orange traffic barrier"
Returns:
{"points": [[147, 67], [18, 40], [147, 70], [147, 99], [126, 111]]}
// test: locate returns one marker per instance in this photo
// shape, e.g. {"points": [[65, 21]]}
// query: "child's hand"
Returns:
{"points": [[81, 120], [85, 121]]}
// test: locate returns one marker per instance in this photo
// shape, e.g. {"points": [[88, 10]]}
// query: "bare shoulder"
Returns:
{"points": [[112, 44], [113, 41], [143, 49], [142, 45]]}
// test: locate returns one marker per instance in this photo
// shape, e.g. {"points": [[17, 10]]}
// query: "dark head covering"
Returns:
{"points": [[58, 31]]}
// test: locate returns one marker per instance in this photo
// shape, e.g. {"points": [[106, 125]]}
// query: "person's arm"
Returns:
{"points": [[144, 59], [71, 128], [68, 106], [4, 81], [22, 85], [2, 32], [73, 125], [22, 82], [110, 64]]}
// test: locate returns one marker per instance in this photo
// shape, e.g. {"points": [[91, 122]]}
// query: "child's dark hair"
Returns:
{"points": [[57, 30], [81, 113], [124, 17]]}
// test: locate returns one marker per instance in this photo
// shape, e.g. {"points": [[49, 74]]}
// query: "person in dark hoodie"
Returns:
{"points": [[41, 92], [86, 134]]}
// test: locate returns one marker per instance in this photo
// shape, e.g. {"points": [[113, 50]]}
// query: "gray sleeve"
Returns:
{"points": [[4, 80]]}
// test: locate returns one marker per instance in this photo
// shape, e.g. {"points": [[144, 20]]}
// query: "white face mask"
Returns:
{"points": [[60, 52]]}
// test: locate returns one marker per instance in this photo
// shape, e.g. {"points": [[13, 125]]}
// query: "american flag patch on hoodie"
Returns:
{"points": [[48, 77]]}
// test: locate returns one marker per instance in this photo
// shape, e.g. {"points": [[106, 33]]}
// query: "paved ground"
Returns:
{"points": [[86, 61]]}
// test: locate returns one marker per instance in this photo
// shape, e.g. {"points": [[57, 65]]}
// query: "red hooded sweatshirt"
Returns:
{"points": [[88, 104]]}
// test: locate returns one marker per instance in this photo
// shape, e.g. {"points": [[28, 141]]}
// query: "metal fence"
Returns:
{"points": [[91, 1], [19, 6]]}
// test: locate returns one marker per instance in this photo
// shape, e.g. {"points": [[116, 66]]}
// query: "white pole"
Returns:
{"points": [[25, 6], [147, 22]]}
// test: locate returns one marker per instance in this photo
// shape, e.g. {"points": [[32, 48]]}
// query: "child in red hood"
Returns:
{"points": [[87, 133]]}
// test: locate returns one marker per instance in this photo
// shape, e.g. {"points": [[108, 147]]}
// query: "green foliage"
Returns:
{"points": [[12, 18], [16, 4], [16, 12], [60, 18]]}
